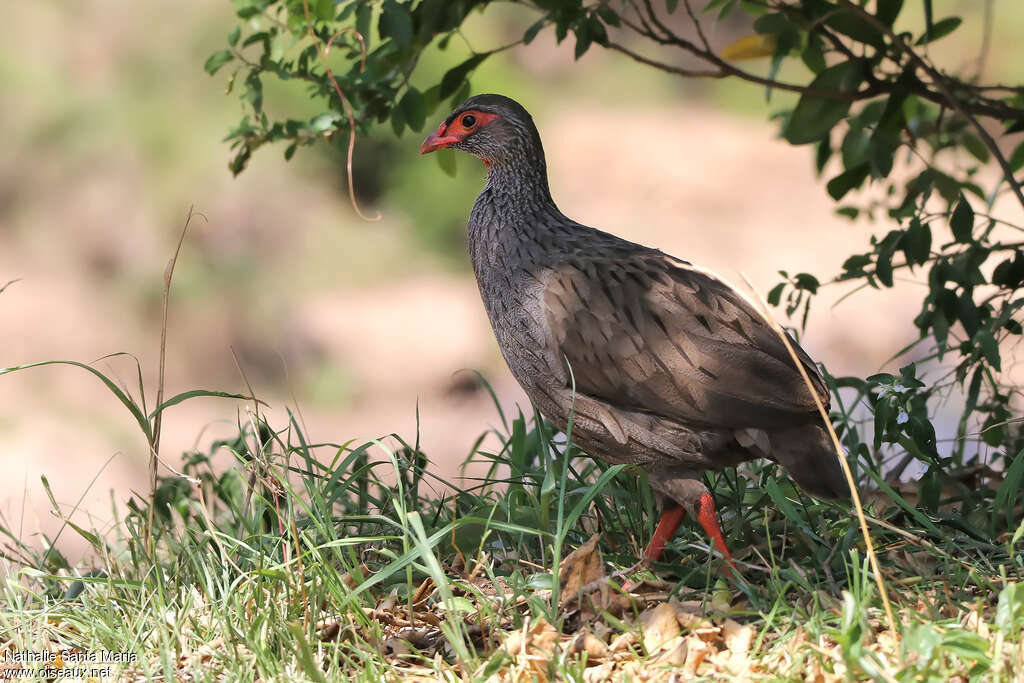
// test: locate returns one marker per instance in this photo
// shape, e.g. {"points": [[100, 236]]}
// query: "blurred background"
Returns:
{"points": [[111, 131]]}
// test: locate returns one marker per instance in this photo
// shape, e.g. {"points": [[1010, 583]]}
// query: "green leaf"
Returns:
{"points": [[1010, 608], [397, 120], [583, 41], [813, 57], [940, 328], [195, 393], [462, 93], [883, 267], [823, 153], [917, 242], [856, 27], [598, 33], [324, 122], [116, 390], [415, 109], [364, 15], [855, 147], [967, 312], [322, 9], [976, 147], [888, 10], [245, 9], [1016, 159], [813, 117], [882, 153], [609, 16], [218, 59], [1010, 273], [254, 90], [671, 5], [549, 483], [1006, 497], [495, 663], [807, 282], [532, 32], [855, 264], [885, 412], [446, 161], [775, 295], [456, 76], [940, 29], [395, 23], [848, 180], [962, 221], [234, 35], [989, 348]]}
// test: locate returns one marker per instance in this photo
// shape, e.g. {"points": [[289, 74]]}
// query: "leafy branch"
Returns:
{"points": [[905, 137]]}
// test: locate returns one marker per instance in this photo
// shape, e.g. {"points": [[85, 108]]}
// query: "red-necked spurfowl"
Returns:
{"points": [[674, 370]]}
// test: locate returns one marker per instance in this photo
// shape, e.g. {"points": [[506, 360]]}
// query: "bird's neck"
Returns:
{"points": [[521, 183], [515, 206]]}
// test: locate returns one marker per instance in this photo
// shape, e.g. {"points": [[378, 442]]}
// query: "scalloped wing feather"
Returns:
{"points": [[648, 332]]}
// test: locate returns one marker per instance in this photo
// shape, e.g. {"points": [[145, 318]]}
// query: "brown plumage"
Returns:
{"points": [[673, 369]]}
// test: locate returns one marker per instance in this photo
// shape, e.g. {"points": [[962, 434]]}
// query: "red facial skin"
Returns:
{"points": [[449, 134]]}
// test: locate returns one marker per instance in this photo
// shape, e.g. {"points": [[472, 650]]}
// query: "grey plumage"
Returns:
{"points": [[674, 370]]}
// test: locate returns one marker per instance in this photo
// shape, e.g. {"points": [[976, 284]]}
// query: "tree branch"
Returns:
{"points": [[940, 82], [656, 31]]}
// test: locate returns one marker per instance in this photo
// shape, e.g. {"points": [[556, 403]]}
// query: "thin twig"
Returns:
{"points": [[939, 81], [697, 25], [324, 51], [679, 71], [655, 30]]}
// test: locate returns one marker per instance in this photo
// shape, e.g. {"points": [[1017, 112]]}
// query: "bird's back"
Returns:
{"points": [[661, 363]]}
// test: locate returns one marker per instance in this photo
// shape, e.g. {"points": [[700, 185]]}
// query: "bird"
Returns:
{"points": [[659, 362]]}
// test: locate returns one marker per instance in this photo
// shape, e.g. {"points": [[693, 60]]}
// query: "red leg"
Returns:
{"points": [[671, 518], [708, 519]]}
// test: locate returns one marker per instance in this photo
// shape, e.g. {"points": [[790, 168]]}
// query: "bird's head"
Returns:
{"points": [[493, 127]]}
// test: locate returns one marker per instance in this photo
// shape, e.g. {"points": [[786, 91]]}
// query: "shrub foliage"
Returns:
{"points": [[932, 157]]}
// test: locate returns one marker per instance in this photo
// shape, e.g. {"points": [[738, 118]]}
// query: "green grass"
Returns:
{"points": [[325, 560], [314, 561]]}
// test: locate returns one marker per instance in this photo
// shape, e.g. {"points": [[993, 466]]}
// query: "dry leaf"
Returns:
{"points": [[697, 651], [673, 653], [580, 568], [623, 642], [594, 647], [737, 637], [659, 626]]}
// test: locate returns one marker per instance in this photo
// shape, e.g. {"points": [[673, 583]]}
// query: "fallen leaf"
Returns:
{"points": [[594, 647], [737, 637], [673, 653], [623, 642], [581, 567], [659, 626], [697, 651]]}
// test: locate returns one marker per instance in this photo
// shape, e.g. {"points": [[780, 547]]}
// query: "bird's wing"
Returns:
{"points": [[647, 332]]}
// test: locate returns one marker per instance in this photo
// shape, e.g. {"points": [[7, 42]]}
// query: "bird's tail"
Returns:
{"points": [[809, 456]]}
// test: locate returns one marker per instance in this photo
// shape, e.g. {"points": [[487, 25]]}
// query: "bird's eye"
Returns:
{"points": [[468, 120]]}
